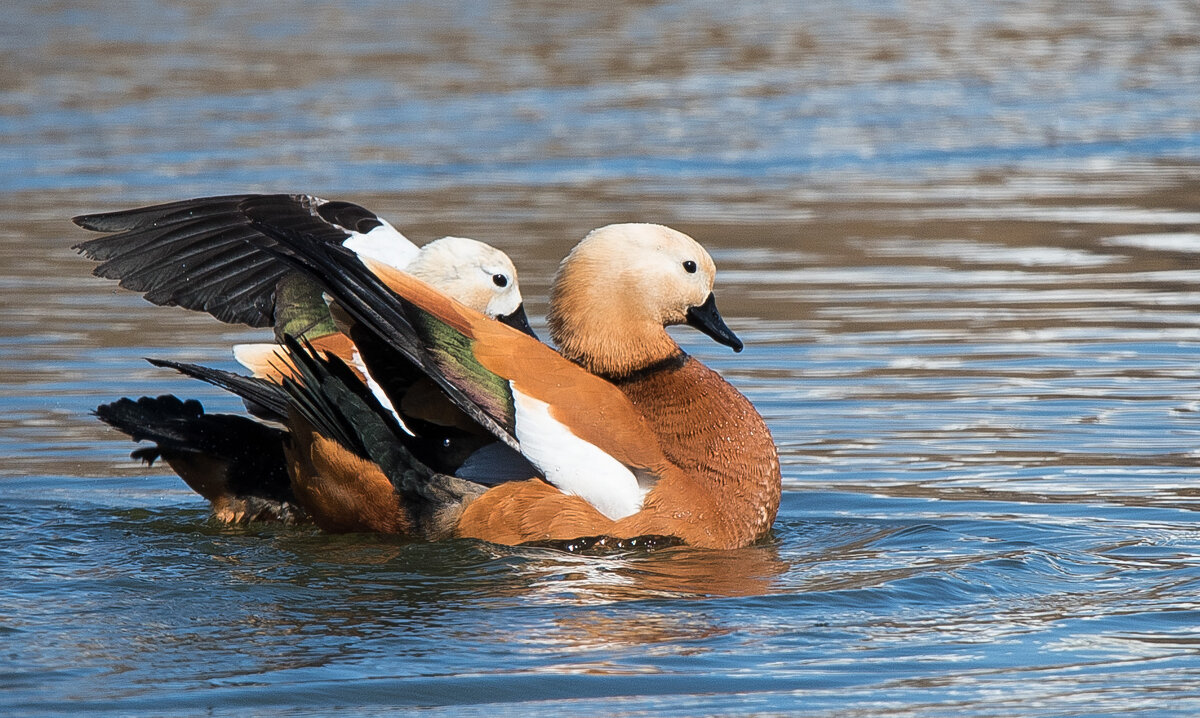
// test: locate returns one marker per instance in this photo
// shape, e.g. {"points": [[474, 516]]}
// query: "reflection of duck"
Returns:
{"points": [[679, 572], [194, 254], [630, 435], [574, 602]]}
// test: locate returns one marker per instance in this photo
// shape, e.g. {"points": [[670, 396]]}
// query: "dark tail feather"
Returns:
{"points": [[243, 459], [339, 406], [263, 398]]}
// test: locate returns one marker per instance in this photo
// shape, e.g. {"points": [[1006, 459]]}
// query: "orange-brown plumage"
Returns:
{"points": [[533, 510], [270, 361], [342, 492], [713, 495], [726, 490], [631, 392]]}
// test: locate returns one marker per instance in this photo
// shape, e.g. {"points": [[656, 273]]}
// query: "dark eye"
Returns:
{"points": [[689, 266], [500, 280]]}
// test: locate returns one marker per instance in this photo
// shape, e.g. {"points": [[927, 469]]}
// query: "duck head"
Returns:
{"points": [[619, 288], [476, 274]]}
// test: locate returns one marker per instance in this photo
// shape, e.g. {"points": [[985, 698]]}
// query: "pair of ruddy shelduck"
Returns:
{"points": [[406, 393]]}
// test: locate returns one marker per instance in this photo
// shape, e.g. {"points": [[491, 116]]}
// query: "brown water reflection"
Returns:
{"points": [[669, 573]]}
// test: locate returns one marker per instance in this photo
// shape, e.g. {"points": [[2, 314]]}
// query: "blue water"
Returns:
{"points": [[960, 242]]}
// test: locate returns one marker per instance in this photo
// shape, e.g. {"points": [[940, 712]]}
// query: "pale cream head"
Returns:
{"points": [[476, 274], [619, 287]]}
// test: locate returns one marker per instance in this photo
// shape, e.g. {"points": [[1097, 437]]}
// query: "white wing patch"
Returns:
{"points": [[573, 465], [378, 390], [259, 358], [383, 244]]}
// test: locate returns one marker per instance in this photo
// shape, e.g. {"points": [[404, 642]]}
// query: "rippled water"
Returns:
{"points": [[961, 242]]}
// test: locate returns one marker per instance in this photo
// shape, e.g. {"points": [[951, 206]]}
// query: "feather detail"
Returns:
{"points": [[333, 401], [234, 462], [264, 399], [375, 308], [195, 254]]}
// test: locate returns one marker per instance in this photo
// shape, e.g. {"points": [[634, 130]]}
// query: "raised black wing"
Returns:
{"points": [[193, 253]]}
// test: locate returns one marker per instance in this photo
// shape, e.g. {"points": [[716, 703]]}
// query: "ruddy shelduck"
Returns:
{"points": [[628, 434], [194, 254]]}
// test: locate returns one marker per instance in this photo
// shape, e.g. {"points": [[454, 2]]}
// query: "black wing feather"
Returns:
{"points": [[331, 397], [368, 301], [265, 399], [254, 451], [195, 254], [318, 396], [339, 406], [142, 217]]}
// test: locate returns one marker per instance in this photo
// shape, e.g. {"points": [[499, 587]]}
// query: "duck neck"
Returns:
{"points": [[614, 352]]}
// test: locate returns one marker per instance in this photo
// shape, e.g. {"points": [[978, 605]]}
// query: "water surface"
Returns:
{"points": [[961, 244]]}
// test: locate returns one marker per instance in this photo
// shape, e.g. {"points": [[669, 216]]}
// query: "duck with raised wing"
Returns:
{"points": [[194, 254], [630, 436]]}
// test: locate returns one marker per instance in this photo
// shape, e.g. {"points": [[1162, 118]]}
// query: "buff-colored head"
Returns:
{"points": [[476, 274], [619, 287]]}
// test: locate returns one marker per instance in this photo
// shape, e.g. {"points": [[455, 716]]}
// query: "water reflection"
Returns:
{"points": [[667, 573], [292, 600]]}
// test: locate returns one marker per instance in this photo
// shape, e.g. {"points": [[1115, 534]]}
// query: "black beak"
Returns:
{"points": [[707, 319], [517, 320]]}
